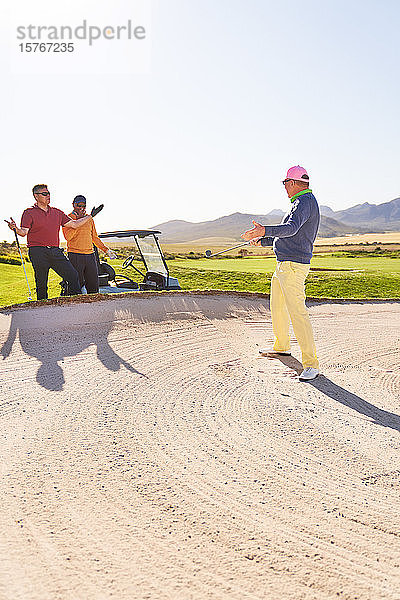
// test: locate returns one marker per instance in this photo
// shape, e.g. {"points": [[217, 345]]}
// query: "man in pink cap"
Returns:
{"points": [[293, 246]]}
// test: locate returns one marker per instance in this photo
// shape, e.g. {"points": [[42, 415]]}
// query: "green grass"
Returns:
{"points": [[13, 288], [240, 265], [10, 260], [350, 277], [368, 264], [267, 265], [375, 277], [357, 277], [319, 285]]}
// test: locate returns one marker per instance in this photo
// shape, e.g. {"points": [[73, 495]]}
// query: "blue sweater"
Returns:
{"points": [[294, 237]]}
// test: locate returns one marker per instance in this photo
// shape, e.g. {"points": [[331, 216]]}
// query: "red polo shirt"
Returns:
{"points": [[44, 226]]}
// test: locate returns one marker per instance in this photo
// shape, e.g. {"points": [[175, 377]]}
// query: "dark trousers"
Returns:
{"points": [[86, 265], [43, 259]]}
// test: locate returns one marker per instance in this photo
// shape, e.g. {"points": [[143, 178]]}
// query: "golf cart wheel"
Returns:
{"points": [[128, 261], [103, 280], [121, 281], [106, 269], [154, 281], [149, 286]]}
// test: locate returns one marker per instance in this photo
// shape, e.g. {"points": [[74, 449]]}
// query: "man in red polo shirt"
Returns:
{"points": [[41, 223]]}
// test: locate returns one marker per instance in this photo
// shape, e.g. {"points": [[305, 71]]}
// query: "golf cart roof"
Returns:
{"points": [[129, 233]]}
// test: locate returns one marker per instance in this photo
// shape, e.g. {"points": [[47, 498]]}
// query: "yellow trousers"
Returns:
{"points": [[288, 302]]}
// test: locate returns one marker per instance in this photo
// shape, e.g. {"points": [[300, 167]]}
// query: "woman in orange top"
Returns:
{"points": [[80, 247]]}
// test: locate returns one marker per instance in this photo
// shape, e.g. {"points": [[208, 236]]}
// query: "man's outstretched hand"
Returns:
{"points": [[255, 242], [258, 231], [95, 211]]}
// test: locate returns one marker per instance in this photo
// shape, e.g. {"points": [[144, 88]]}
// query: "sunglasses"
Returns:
{"points": [[43, 193], [286, 181], [80, 205]]}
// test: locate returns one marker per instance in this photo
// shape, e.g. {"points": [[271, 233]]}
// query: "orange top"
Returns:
{"points": [[81, 240]]}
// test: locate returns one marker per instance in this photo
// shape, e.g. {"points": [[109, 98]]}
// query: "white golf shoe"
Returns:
{"points": [[308, 374]]}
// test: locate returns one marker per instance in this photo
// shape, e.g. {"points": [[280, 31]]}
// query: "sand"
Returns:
{"points": [[149, 453]]}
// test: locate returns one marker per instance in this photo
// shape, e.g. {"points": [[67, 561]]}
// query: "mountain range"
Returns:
{"points": [[362, 218]]}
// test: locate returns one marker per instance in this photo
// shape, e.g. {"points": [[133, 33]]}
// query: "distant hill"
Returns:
{"points": [[326, 210], [231, 226], [362, 218], [276, 213], [376, 217]]}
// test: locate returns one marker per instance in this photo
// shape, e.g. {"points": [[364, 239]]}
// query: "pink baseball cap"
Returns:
{"points": [[298, 174]]}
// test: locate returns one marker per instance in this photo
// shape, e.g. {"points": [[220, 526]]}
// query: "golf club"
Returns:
{"points": [[23, 263], [210, 255]]}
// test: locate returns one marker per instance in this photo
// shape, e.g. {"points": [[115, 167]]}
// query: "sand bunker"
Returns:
{"points": [[147, 452]]}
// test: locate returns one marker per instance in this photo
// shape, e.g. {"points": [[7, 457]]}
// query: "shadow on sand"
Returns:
{"points": [[51, 347], [340, 394]]}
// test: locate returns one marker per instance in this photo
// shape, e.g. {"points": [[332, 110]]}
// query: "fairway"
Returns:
{"points": [[331, 277], [13, 287], [267, 265]]}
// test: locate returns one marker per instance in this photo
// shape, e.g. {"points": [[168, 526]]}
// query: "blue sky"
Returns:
{"points": [[237, 91]]}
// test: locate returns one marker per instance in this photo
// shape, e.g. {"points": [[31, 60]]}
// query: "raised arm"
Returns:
{"points": [[297, 218], [76, 223]]}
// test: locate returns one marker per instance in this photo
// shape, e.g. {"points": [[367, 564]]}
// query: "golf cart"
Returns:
{"points": [[156, 276]]}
